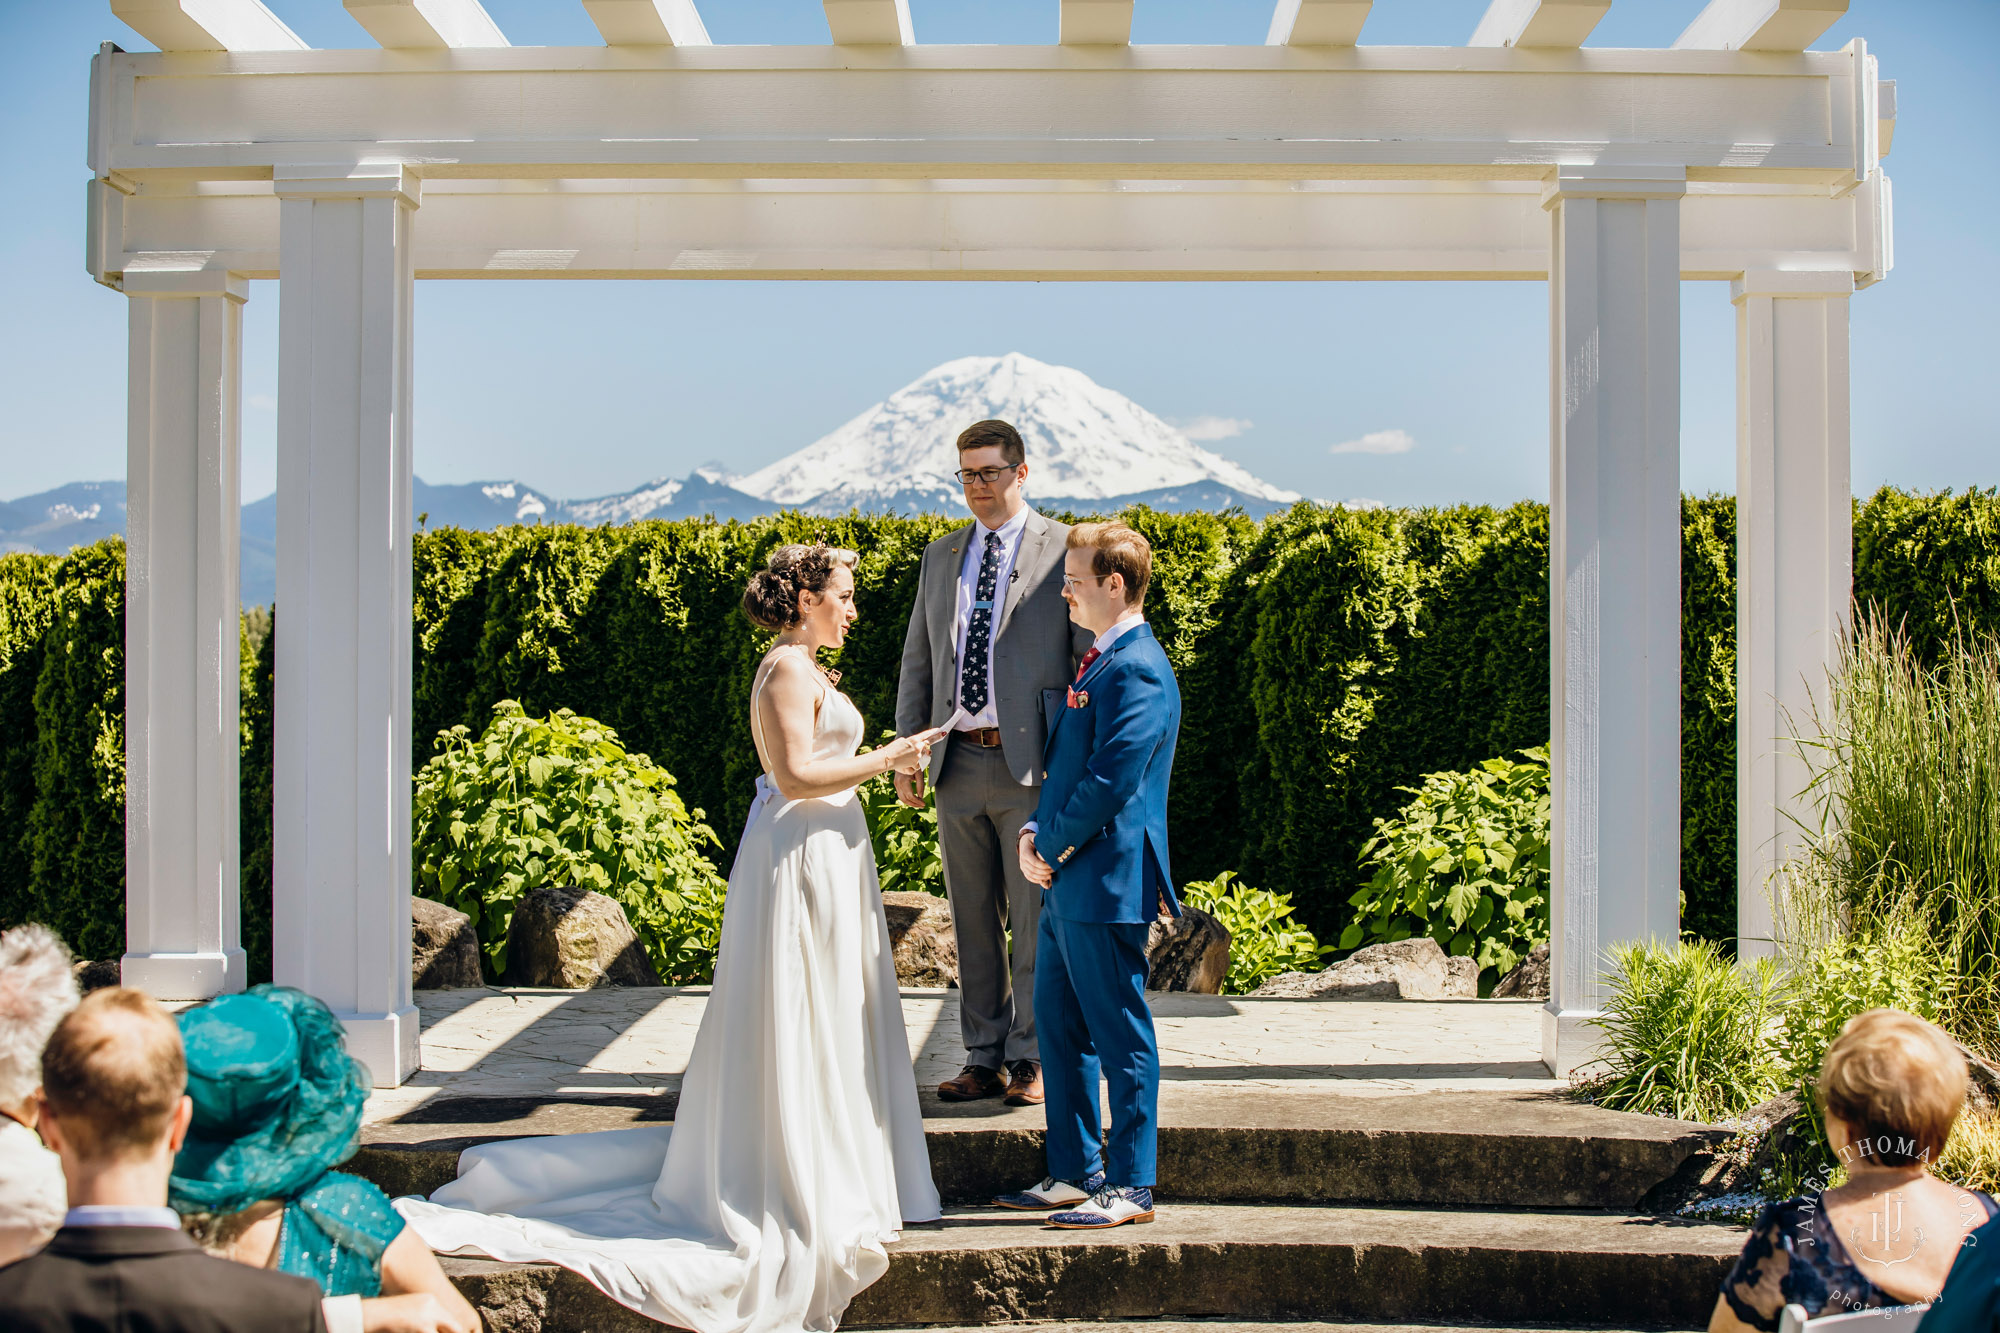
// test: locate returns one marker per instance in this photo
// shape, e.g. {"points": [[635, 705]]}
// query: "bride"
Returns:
{"points": [[797, 1152]]}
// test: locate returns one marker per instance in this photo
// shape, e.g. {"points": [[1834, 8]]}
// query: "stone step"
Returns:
{"points": [[1228, 1145], [985, 1267]]}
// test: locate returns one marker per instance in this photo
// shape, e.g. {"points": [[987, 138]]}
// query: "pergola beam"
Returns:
{"points": [[1003, 230], [1539, 23], [398, 25], [870, 22], [207, 25], [1012, 112], [1317, 22], [1095, 23], [647, 22], [1760, 25]]}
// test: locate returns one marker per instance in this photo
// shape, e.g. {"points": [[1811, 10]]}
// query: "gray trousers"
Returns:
{"points": [[980, 812]]}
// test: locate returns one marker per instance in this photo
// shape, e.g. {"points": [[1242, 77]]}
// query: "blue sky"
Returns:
{"points": [[586, 388]]}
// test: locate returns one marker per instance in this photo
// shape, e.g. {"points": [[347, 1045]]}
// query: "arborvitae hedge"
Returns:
{"points": [[1326, 657]]}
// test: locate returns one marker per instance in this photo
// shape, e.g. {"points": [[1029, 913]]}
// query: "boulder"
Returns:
{"points": [[1413, 969], [1187, 953], [921, 934], [1464, 979], [574, 939], [444, 948], [1529, 980], [95, 973]]}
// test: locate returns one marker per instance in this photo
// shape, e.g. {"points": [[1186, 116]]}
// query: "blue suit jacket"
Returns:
{"points": [[1102, 821]]}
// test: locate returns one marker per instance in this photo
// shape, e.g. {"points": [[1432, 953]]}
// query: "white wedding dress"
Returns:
{"points": [[797, 1152]]}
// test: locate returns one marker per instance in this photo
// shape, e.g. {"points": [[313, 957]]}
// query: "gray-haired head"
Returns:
{"points": [[36, 991]]}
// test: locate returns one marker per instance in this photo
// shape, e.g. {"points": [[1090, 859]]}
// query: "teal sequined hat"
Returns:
{"points": [[277, 1099]]}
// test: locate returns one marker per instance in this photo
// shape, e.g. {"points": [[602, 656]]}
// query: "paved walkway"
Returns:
{"points": [[551, 1044]]}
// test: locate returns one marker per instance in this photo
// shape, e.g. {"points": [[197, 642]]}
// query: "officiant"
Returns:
{"points": [[990, 649]]}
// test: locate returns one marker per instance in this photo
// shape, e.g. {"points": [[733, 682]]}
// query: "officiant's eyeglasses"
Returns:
{"points": [[990, 475], [1072, 582]]}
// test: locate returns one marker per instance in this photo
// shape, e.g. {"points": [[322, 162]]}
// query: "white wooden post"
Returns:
{"points": [[1614, 576], [341, 915], [1794, 558], [182, 739]]}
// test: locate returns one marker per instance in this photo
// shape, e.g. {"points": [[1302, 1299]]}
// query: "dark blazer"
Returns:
{"points": [[1102, 821], [149, 1280], [1035, 645]]}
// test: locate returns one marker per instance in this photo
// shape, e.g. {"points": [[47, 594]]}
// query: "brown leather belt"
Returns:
{"points": [[986, 738]]}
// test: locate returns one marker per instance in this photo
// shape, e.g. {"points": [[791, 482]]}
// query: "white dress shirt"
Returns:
{"points": [[968, 592], [123, 1215]]}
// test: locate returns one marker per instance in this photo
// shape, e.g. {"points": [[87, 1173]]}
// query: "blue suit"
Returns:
{"points": [[1102, 824]]}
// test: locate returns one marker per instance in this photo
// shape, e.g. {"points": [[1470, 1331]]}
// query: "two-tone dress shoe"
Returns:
{"points": [[1052, 1193], [972, 1083], [1112, 1206]]}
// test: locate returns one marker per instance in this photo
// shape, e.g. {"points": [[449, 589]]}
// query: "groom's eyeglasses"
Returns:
{"points": [[1072, 582], [990, 475]]}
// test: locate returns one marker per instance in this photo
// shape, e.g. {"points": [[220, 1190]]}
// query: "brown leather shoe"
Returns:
{"points": [[1025, 1088], [971, 1083]]}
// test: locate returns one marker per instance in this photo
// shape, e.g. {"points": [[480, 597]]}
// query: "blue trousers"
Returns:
{"points": [[1090, 1004]]}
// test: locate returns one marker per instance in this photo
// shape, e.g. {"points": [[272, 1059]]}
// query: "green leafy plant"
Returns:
{"points": [[1466, 862], [557, 800], [906, 840], [1264, 940], [1687, 1032]]}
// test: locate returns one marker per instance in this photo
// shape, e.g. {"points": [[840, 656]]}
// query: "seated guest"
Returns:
{"points": [[277, 1104], [113, 1110], [1890, 1089], [36, 990]]}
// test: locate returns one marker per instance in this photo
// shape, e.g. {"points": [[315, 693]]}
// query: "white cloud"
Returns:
{"points": [[1214, 428], [1379, 442]]}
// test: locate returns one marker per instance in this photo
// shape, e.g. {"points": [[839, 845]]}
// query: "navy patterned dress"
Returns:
{"points": [[1794, 1256]]}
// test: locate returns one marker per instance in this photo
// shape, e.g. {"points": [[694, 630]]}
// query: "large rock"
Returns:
{"points": [[1187, 953], [1464, 979], [574, 939], [920, 931], [1413, 969], [444, 948], [1529, 979]]}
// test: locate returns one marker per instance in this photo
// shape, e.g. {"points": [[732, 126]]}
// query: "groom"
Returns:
{"points": [[991, 642], [1098, 847]]}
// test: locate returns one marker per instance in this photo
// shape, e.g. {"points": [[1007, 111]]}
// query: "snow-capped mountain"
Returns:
{"points": [[1085, 443], [1090, 450]]}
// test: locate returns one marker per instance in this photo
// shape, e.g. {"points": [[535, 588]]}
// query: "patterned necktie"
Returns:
{"points": [[979, 633], [1088, 658]]}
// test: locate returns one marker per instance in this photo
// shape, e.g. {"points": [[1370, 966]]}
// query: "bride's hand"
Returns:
{"points": [[910, 754]]}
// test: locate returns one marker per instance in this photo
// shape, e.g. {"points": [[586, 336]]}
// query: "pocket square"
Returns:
{"points": [[1079, 698]]}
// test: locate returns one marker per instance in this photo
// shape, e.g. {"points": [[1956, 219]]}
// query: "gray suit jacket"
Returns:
{"points": [[1035, 646]]}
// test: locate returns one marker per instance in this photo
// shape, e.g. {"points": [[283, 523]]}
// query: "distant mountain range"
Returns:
{"points": [[1089, 448]]}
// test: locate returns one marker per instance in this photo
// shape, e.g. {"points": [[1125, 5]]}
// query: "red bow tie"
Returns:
{"points": [[1088, 658]]}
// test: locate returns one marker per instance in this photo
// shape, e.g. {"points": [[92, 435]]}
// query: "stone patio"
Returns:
{"points": [[549, 1044]]}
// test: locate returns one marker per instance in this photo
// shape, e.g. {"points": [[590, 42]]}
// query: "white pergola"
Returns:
{"points": [[236, 153]]}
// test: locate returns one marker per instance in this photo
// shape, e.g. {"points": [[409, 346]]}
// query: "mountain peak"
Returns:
{"points": [[1084, 441]]}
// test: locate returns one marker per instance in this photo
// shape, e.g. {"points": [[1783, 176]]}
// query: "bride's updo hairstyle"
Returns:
{"points": [[772, 599]]}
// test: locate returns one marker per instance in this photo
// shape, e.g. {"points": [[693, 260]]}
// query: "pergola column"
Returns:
{"points": [[1794, 559], [182, 739], [341, 909], [1614, 581]]}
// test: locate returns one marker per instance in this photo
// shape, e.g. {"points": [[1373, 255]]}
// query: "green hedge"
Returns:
{"points": [[1327, 657]]}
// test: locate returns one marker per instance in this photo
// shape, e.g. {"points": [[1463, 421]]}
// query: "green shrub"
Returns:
{"points": [[1686, 1032], [1901, 967], [905, 840], [76, 826], [1467, 863], [557, 800], [1264, 940], [258, 695], [27, 606]]}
